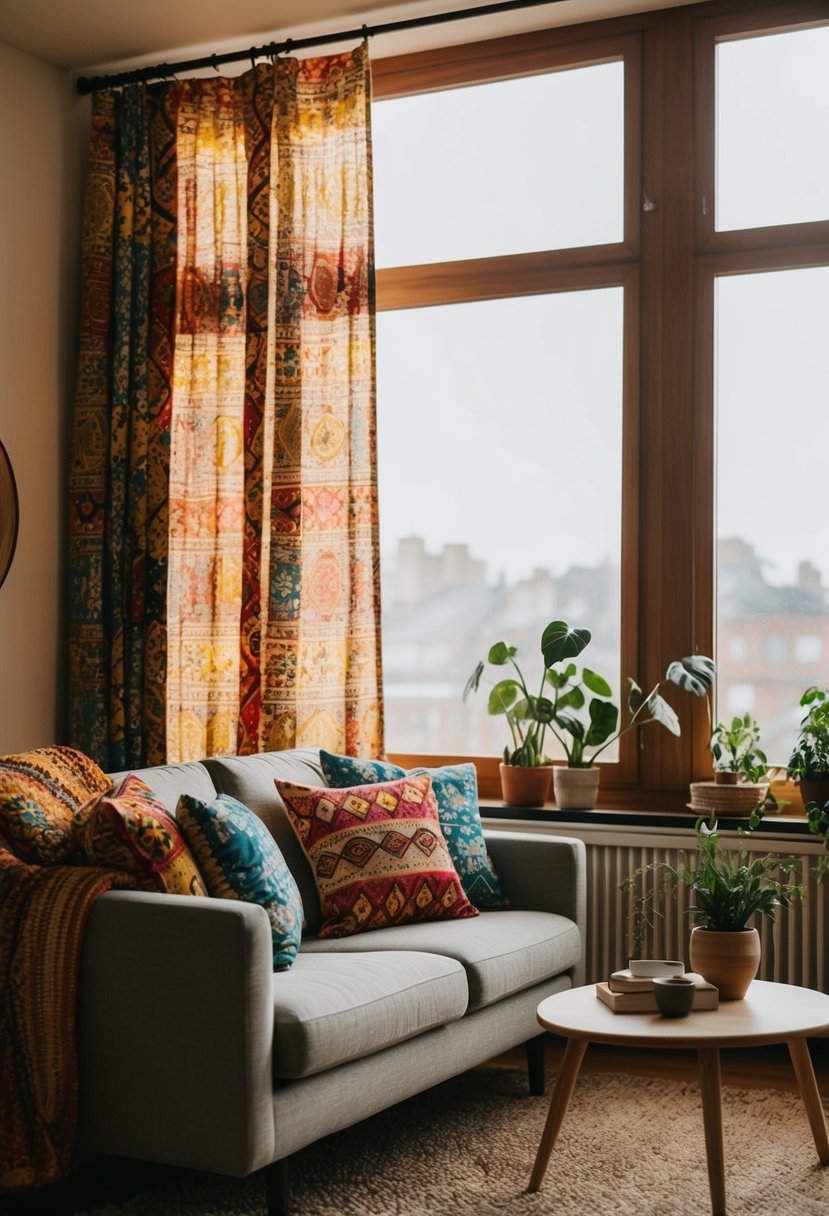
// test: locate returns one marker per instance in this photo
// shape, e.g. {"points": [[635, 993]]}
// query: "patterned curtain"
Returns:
{"points": [[223, 527]]}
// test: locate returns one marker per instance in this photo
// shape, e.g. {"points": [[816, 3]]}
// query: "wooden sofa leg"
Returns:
{"points": [[277, 1187], [535, 1064]]}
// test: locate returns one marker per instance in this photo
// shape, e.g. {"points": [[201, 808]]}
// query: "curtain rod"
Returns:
{"points": [[163, 71]]}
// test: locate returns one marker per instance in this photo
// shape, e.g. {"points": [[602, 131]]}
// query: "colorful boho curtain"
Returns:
{"points": [[223, 530]]}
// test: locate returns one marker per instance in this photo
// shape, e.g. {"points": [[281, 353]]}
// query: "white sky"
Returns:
{"points": [[446, 170]]}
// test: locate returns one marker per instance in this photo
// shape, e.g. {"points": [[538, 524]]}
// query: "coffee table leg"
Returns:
{"points": [[805, 1073], [709, 1075], [563, 1092]]}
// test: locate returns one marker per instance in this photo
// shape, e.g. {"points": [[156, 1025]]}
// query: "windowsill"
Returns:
{"points": [[783, 825]]}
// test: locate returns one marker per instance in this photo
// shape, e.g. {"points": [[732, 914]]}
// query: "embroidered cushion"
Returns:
{"points": [[378, 854], [455, 787], [40, 791], [127, 828], [241, 860]]}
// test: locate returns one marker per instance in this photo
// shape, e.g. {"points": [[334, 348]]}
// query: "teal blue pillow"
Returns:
{"points": [[239, 859], [455, 787]]}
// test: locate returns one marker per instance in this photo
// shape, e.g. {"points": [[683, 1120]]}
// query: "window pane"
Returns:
{"points": [[499, 458], [772, 118], [513, 167], [772, 401]]}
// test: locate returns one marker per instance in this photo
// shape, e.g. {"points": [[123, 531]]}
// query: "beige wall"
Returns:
{"points": [[40, 176]]}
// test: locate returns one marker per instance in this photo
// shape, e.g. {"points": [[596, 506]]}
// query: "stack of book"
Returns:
{"points": [[629, 992]]}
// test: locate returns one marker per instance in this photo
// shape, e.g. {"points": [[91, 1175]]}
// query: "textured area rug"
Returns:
{"points": [[629, 1145]]}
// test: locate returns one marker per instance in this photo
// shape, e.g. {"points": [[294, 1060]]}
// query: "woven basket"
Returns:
{"points": [[709, 797]]}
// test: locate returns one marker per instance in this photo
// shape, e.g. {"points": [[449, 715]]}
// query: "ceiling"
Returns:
{"points": [[87, 35]]}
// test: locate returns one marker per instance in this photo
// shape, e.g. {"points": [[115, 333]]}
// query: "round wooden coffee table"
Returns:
{"points": [[770, 1013]]}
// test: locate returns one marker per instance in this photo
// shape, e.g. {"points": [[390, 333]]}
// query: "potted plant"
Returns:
{"points": [[742, 780], [809, 762], [576, 784], [728, 889], [525, 769], [570, 691]]}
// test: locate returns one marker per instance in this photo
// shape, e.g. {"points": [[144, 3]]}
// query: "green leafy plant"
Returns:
{"points": [[728, 887], [810, 755], [566, 690], [818, 817], [527, 716], [736, 748], [584, 741]]}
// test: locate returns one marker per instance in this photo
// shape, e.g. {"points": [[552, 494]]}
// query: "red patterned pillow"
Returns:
{"points": [[40, 791], [378, 854], [128, 829]]}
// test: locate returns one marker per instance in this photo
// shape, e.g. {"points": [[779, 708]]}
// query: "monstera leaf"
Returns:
{"points": [[559, 642], [695, 674], [660, 711], [604, 718]]}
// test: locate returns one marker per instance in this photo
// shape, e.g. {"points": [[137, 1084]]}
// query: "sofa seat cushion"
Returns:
{"points": [[331, 1008], [501, 952]]}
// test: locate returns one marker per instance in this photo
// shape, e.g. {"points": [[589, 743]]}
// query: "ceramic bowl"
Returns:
{"points": [[674, 995]]}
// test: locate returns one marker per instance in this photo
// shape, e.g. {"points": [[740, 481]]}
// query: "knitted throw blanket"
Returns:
{"points": [[43, 913]]}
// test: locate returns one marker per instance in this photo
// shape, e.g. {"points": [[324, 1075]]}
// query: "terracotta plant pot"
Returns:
{"points": [[729, 961], [521, 786], [575, 789], [723, 777]]}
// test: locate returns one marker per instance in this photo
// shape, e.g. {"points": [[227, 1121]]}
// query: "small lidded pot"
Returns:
{"points": [[674, 995]]}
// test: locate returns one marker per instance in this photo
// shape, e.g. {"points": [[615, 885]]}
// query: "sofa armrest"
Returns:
{"points": [[175, 1031], [540, 873]]}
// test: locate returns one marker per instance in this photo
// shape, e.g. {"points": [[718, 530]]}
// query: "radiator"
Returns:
{"points": [[794, 947]]}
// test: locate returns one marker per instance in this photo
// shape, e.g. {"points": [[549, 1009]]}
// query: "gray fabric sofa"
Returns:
{"points": [[194, 1052]]}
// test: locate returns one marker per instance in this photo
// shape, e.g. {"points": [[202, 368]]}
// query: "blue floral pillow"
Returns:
{"points": [[239, 859], [455, 787]]}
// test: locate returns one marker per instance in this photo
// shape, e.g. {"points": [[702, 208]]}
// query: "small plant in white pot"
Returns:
{"points": [[576, 784]]}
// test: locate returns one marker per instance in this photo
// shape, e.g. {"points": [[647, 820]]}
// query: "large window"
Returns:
{"points": [[603, 285]]}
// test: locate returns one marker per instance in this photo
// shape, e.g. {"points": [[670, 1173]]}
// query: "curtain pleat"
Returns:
{"points": [[88, 641], [163, 120], [206, 457], [320, 656], [223, 538]]}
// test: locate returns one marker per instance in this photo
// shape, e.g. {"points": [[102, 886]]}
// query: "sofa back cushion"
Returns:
{"points": [[169, 781], [250, 779]]}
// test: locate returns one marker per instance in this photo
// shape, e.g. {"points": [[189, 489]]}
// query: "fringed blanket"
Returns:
{"points": [[43, 913]]}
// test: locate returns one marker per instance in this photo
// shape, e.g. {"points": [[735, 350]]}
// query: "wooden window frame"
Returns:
{"points": [[667, 262]]}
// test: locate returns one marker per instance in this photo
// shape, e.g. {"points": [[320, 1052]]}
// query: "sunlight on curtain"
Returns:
{"points": [[223, 486], [206, 464]]}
